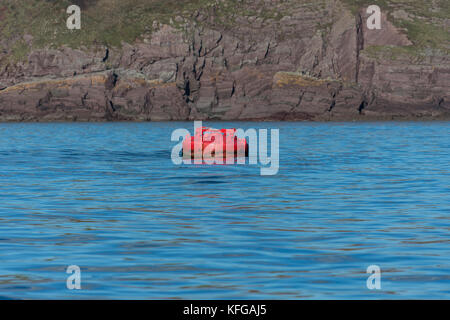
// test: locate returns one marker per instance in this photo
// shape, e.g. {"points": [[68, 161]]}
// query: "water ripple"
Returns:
{"points": [[107, 197]]}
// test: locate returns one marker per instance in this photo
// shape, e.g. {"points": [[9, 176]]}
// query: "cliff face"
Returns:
{"points": [[229, 60]]}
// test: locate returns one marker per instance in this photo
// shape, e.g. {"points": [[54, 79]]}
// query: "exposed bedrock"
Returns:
{"points": [[317, 63]]}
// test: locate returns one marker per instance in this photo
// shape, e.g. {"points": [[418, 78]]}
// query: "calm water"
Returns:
{"points": [[106, 197]]}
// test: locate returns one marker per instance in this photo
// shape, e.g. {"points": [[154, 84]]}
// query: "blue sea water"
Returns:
{"points": [[107, 197]]}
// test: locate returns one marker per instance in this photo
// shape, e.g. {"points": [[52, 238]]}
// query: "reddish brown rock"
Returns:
{"points": [[313, 64]]}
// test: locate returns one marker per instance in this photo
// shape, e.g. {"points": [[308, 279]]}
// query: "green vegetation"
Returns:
{"points": [[426, 34], [112, 22], [395, 52], [19, 51], [423, 22], [423, 8], [107, 22]]}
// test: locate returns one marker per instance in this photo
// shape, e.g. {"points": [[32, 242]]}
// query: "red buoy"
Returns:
{"points": [[214, 142]]}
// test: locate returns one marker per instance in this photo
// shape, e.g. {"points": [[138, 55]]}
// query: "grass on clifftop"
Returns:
{"points": [[112, 22], [106, 22], [424, 21]]}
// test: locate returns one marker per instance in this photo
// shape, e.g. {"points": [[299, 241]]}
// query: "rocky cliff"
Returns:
{"points": [[224, 60]]}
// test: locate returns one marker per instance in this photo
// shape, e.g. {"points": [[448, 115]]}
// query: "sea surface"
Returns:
{"points": [[106, 197]]}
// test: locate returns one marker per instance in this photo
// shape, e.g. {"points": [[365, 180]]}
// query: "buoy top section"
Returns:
{"points": [[200, 131], [205, 141]]}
